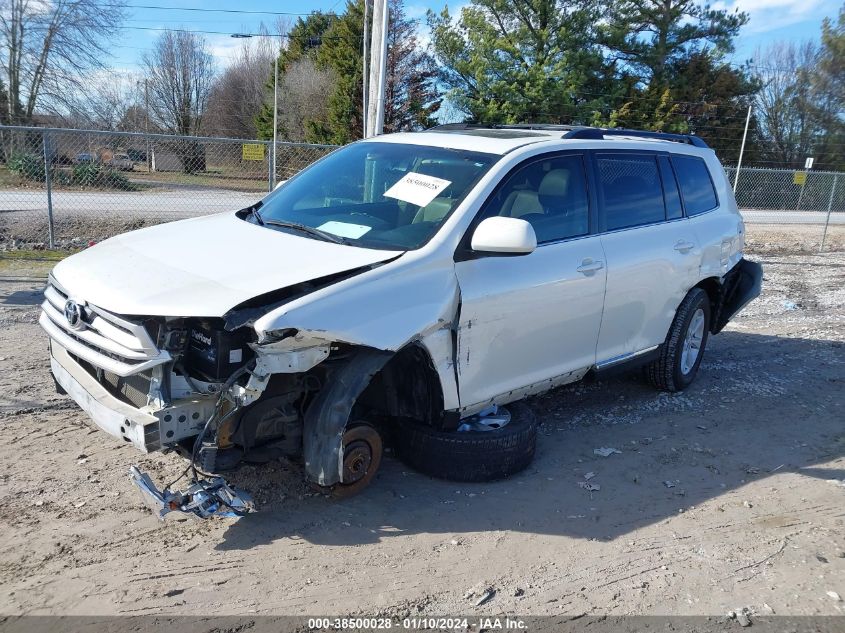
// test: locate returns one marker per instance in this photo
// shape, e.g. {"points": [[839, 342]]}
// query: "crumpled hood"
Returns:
{"points": [[201, 267]]}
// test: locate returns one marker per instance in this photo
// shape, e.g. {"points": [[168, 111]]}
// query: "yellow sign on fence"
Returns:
{"points": [[799, 178], [253, 151]]}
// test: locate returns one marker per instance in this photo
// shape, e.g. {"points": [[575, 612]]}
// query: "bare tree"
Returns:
{"points": [[46, 48], [238, 93], [304, 93], [180, 71], [784, 104], [411, 94], [104, 100]]}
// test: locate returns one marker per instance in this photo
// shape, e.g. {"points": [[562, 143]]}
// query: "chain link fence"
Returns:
{"points": [[62, 188], [792, 209]]}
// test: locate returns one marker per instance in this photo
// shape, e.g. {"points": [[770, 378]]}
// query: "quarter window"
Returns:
{"points": [[674, 210], [630, 190], [696, 186], [550, 194]]}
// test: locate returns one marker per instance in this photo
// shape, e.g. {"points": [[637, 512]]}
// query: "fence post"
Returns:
{"points": [[829, 207], [269, 170], [49, 184]]}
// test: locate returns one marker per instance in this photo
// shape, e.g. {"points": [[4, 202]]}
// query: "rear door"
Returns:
{"points": [[709, 205], [650, 248]]}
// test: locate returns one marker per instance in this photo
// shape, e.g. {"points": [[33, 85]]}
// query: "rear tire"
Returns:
{"points": [[680, 357], [470, 456]]}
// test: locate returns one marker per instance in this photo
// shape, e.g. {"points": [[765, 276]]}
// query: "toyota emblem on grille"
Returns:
{"points": [[73, 314]]}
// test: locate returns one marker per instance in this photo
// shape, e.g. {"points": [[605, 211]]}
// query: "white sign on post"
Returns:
{"points": [[808, 164]]}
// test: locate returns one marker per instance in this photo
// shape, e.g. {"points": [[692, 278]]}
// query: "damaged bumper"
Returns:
{"points": [[147, 428], [743, 286]]}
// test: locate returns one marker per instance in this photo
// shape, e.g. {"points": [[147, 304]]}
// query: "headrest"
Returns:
{"points": [[554, 184]]}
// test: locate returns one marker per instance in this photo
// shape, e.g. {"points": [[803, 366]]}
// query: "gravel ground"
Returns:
{"points": [[727, 496]]}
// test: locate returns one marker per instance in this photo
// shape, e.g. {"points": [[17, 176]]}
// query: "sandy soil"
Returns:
{"points": [[729, 495]]}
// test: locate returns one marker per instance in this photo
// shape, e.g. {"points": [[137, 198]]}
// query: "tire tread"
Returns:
{"points": [[661, 371], [470, 456]]}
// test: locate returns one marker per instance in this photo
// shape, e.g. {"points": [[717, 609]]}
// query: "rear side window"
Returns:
{"points": [[696, 186], [630, 190]]}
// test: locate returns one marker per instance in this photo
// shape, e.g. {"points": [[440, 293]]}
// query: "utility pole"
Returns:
{"points": [[275, 115], [742, 148], [378, 69], [147, 122], [272, 159], [364, 62]]}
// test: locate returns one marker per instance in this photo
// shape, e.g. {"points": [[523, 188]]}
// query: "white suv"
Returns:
{"points": [[405, 287]]}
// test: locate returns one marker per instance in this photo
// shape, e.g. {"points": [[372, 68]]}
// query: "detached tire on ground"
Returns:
{"points": [[471, 456]]}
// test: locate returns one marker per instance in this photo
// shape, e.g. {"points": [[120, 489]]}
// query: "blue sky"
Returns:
{"points": [[771, 20]]}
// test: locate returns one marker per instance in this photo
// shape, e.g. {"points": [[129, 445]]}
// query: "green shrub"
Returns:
{"points": [[27, 166], [99, 176]]}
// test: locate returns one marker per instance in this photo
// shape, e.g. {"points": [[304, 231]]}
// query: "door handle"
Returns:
{"points": [[683, 246], [588, 266]]}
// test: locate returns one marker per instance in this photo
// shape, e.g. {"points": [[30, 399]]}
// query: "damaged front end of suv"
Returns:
{"points": [[217, 392]]}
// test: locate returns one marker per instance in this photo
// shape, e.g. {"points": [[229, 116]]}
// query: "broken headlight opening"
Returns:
{"points": [[208, 495]]}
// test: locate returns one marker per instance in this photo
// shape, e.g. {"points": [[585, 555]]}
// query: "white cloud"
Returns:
{"points": [[768, 15], [222, 47]]}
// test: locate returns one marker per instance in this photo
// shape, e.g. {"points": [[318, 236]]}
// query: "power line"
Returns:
{"points": [[163, 29], [206, 10]]}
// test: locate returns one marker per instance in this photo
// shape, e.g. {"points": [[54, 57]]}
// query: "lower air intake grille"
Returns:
{"points": [[131, 389]]}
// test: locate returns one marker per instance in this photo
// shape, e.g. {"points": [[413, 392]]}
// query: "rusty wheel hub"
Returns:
{"points": [[362, 449]]}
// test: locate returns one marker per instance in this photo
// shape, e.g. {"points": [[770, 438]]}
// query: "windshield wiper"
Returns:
{"points": [[310, 230], [253, 211]]}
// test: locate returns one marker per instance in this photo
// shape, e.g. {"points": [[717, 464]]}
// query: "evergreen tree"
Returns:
{"points": [[827, 83], [653, 37], [509, 61]]}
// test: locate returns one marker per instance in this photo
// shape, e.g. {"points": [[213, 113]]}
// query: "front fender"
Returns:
{"points": [[385, 308]]}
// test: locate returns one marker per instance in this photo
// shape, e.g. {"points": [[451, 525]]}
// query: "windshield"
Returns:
{"points": [[376, 195]]}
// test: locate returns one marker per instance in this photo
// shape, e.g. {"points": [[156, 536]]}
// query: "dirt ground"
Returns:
{"points": [[726, 496]]}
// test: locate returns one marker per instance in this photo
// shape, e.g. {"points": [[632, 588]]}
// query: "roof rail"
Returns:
{"points": [[595, 133], [446, 127], [574, 131]]}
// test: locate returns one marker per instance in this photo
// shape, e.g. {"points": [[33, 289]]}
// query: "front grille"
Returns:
{"points": [[132, 389], [114, 343]]}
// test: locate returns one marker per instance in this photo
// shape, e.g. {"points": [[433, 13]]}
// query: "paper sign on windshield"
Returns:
{"points": [[344, 229], [417, 189]]}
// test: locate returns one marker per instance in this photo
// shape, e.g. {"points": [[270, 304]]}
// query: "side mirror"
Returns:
{"points": [[504, 235]]}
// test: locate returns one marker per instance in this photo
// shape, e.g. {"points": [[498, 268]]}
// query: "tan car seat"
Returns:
{"points": [[522, 202], [434, 211]]}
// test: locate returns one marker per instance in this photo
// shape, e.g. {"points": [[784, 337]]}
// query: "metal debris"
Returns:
{"points": [[742, 616], [605, 451], [203, 498], [486, 596], [586, 485]]}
